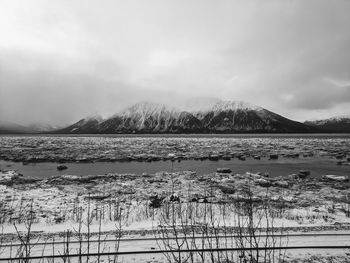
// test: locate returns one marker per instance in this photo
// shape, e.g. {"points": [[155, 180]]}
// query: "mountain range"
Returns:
{"points": [[221, 117], [334, 124], [10, 127]]}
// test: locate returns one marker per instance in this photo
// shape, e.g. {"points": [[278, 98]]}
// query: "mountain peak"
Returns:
{"points": [[333, 124], [94, 117], [226, 105], [145, 108], [340, 118]]}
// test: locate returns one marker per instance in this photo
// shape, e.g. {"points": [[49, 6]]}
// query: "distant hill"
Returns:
{"points": [[222, 117], [335, 124], [14, 128]]}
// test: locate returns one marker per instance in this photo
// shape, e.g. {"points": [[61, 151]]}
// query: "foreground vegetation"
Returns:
{"points": [[192, 217]]}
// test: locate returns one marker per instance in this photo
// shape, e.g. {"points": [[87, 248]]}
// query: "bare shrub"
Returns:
{"points": [[26, 246], [205, 232]]}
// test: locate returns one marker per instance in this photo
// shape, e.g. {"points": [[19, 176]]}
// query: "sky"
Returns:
{"points": [[62, 60]]}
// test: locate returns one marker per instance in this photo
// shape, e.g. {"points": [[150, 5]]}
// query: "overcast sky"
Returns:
{"points": [[62, 60]]}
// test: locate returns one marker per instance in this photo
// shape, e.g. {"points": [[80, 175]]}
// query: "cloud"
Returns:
{"points": [[63, 60]]}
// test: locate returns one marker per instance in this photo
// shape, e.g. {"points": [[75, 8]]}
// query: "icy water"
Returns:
{"points": [[318, 167], [317, 153]]}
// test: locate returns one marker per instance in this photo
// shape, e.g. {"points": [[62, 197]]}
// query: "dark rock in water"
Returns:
{"points": [[340, 156], [214, 157], [307, 172], [224, 170], [256, 157], [292, 155], [308, 154], [303, 173], [273, 156], [156, 158], [62, 167], [348, 159], [226, 157], [266, 174], [241, 157], [156, 201]]}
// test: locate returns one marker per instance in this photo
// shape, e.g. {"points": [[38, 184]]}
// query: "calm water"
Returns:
{"points": [[318, 165]]}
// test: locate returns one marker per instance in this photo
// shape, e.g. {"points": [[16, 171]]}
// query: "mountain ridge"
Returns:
{"points": [[10, 127], [337, 124], [222, 117]]}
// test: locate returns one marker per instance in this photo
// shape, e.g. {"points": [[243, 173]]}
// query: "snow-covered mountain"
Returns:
{"points": [[216, 116], [334, 124], [146, 117], [227, 105], [222, 117], [87, 125], [238, 116]]}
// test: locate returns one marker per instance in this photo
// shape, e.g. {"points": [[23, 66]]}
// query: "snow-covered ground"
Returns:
{"points": [[140, 204], [56, 201]]}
